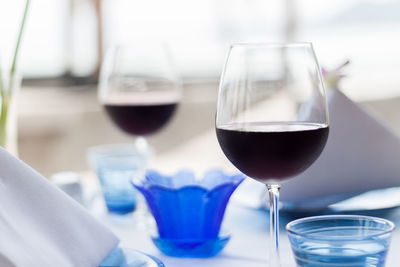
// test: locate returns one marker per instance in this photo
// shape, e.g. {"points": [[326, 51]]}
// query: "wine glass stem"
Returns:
{"points": [[141, 144], [273, 190]]}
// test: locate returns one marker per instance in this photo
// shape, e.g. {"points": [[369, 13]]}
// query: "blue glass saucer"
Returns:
{"points": [[191, 248], [124, 257]]}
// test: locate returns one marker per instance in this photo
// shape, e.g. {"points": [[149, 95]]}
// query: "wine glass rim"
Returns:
{"points": [[276, 44], [140, 45]]}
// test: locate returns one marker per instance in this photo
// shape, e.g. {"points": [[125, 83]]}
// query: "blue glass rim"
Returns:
{"points": [[140, 182], [182, 187], [112, 148], [109, 154], [127, 257], [307, 235]]}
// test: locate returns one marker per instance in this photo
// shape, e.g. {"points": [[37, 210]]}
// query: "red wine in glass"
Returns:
{"points": [[272, 151], [140, 118]]}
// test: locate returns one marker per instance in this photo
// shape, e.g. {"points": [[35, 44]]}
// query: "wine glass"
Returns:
{"points": [[139, 89], [272, 118]]}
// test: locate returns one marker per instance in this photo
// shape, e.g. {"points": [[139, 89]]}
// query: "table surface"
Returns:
{"points": [[248, 245]]}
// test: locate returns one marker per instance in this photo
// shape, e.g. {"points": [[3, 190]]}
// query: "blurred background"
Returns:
{"points": [[59, 116]]}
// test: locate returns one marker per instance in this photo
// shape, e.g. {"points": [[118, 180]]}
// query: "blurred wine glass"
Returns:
{"points": [[139, 89]]}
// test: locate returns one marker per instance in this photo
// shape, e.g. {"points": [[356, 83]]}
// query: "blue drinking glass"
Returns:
{"points": [[340, 241], [189, 211], [115, 166]]}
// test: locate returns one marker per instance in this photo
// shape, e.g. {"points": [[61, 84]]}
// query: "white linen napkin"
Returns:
{"points": [[41, 226], [361, 154]]}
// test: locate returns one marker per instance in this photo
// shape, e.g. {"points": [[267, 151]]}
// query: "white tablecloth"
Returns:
{"points": [[248, 245]]}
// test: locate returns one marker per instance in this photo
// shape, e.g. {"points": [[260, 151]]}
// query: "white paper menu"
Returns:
{"points": [[361, 154]]}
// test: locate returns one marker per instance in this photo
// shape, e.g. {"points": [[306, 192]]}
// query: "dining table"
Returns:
{"points": [[248, 245], [248, 224]]}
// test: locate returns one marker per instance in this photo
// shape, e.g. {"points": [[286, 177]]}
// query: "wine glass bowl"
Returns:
{"points": [[138, 88], [272, 118], [271, 152]]}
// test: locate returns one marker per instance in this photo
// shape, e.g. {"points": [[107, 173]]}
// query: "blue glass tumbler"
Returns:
{"points": [[340, 240], [115, 166]]}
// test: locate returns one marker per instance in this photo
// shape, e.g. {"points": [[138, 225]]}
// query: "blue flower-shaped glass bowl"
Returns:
{"points": [[188, 211]]}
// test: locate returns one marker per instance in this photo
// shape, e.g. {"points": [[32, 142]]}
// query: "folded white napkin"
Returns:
{"points": [[41, 226], [361, 154]]}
